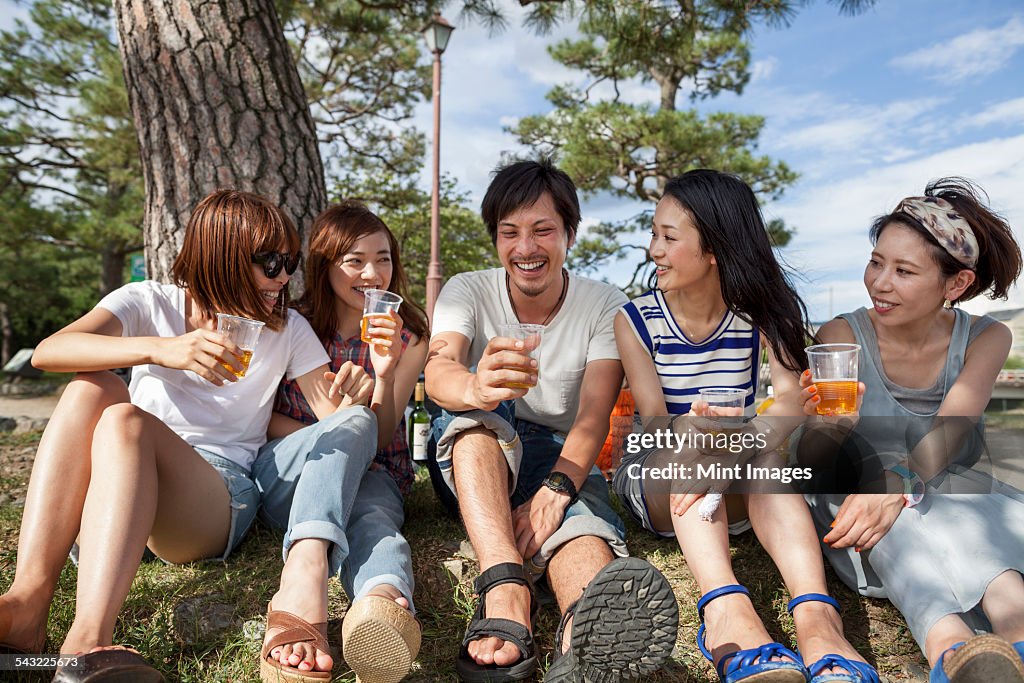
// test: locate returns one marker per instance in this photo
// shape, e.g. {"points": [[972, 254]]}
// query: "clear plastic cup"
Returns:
{"points": [[244, 333], [376, 303], [531, 336], [834, 371]]}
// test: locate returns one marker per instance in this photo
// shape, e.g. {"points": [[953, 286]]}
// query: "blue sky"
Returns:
{"points": [[867, 109]]}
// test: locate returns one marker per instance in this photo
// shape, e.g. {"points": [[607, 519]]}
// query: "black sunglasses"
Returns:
{"points": [[274, 261]]}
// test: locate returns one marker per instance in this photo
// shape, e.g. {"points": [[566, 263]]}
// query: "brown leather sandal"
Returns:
{"points": [[296, 630]]}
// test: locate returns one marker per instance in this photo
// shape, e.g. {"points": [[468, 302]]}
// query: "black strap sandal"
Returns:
{"points": [[482, 626]]}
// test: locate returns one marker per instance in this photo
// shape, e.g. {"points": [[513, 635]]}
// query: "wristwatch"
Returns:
{"points": [[559, 482], [913, 486]]}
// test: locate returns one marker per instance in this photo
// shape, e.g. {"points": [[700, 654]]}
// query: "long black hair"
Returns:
{"points": [[754, 286]]}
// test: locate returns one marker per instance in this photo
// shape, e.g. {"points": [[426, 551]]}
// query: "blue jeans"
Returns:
{"points": [[315, 484], [590, 515]]}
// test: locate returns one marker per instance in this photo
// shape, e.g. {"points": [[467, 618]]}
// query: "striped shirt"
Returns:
{"points": [[726, 359], [394, 457]]}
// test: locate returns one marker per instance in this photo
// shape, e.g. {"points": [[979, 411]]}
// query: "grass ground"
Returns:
{"points": [[157, 619]]}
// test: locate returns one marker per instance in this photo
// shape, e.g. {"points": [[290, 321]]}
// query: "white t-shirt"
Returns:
{"points": [[476, 304], [230, 420]]}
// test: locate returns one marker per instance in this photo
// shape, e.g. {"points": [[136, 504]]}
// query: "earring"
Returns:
{"points": [[946, 303]]}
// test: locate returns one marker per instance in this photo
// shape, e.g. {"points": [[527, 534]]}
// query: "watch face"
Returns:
{"points": [[559, 479]]}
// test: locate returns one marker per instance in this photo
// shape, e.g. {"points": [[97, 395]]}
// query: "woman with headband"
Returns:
{"points": [[950, 563]]}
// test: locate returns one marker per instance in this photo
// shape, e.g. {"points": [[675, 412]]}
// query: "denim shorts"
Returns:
{"points": [[245, 498], [245, 501], [631, 492], [591, 514]]}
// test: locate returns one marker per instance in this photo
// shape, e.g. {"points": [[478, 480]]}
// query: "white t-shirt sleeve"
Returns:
{"points": [[132, 304], [602, 342], [454, 310], [307, 353]]}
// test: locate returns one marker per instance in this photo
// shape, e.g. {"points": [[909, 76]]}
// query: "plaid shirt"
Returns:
{"points": [[394, 458]]}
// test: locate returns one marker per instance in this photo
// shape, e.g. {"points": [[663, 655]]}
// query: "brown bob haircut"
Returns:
{"points": [[335, 232], [215, 262]]}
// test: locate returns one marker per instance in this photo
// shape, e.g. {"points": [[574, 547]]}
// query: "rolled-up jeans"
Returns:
{"points": [[314, 483]]}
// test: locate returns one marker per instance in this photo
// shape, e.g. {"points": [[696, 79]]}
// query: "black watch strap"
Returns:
{"points": [[560, 482]]}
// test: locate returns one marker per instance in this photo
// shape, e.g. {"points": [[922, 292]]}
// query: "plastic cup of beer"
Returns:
{"points": [[244, 333], [531, 336], [377, 303], [834, 373]]}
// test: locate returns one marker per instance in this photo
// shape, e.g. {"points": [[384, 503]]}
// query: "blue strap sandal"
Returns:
{"points": [[856, 671], [755, 663], [982, 659]]}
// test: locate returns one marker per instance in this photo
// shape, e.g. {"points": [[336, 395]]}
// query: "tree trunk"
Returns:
{"points": [[217, 102], [7, 335], [112, 275]]}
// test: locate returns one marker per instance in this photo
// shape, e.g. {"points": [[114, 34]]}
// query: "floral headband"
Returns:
{"points": [[947, 226]]}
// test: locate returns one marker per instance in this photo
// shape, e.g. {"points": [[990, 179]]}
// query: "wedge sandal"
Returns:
{"points": [[982, 659], [379, 640]]}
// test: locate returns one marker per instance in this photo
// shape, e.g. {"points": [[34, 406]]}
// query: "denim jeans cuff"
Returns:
{"points": [[319, 530]]}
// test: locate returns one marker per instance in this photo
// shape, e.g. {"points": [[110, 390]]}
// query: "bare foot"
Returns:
{"points": [[389, 592], [731, 624], [508, 601], [819, 632], [303, 593]]}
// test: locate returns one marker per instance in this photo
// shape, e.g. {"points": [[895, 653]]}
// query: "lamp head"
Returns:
{"points": [[437, 33]]}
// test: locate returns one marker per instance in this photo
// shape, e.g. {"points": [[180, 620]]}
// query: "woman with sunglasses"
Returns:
{"points": [[165, 462], [352, 250]]}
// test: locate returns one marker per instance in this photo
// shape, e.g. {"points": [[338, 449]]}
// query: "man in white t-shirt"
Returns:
{"points": [[521, 460]]}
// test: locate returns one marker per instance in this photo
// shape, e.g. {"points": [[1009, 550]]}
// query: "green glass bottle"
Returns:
{"points": [[419, 426]]}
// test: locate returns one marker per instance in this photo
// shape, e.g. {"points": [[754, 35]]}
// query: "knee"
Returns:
{"points": [[474, 443], [122, 421], [103, 385]]}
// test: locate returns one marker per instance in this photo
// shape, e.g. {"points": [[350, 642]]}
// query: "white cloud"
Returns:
{"points": [[832, 217], [978, 53], [1008, 112], [861, 128], [763, 69]]}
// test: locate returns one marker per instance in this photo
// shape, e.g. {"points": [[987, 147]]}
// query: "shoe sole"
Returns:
{"points": [[380, 640], [108, 666], [625, 624], [985, 659]]}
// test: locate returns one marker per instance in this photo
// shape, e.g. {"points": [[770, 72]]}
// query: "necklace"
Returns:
{"points": [[558, 304]]}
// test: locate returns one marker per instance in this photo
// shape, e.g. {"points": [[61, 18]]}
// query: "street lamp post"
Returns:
{"points": [[437, 34]]}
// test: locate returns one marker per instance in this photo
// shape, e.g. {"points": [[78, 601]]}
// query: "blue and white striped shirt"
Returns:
{"points": [[727, 358]]}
